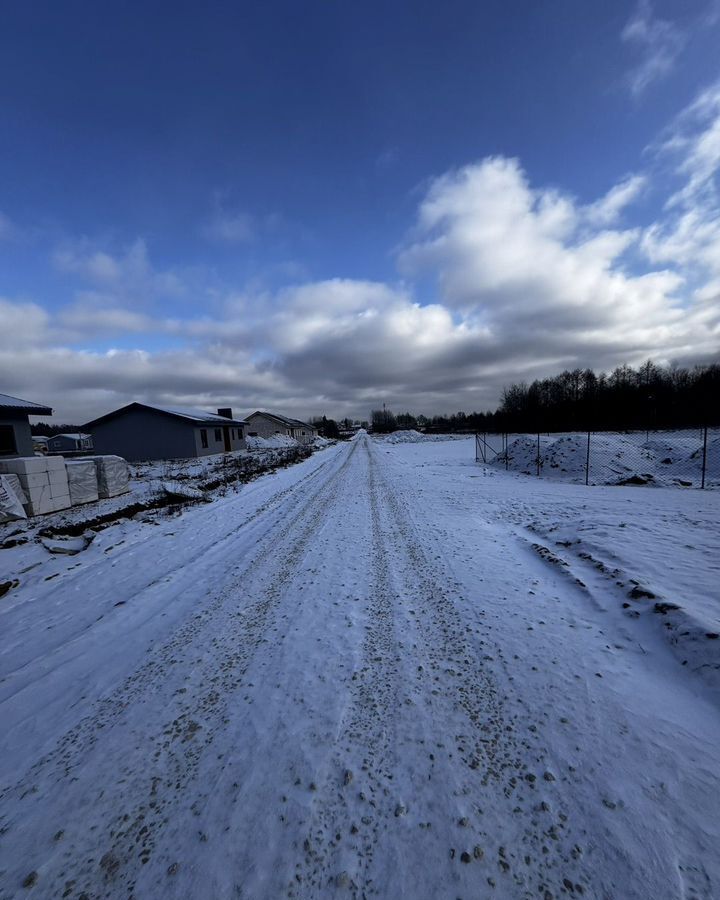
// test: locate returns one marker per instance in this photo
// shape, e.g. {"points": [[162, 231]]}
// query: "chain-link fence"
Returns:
{"points": [[683, 458]]}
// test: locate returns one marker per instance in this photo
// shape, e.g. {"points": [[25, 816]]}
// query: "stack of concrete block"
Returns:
{"points": [[82, 480], [44, 481], [113, 475]]}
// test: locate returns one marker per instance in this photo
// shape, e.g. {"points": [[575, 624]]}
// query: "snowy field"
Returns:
{"points": [[387, 671]]}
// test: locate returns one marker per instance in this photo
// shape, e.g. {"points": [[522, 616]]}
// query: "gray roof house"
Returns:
{"points": [[267, 424], [70, 443], [15, 435], [145, 431]]}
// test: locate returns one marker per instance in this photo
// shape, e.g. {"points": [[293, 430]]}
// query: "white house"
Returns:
{"points": [[267, 425]]}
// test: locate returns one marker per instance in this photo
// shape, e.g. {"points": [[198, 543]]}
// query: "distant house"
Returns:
{"points": [[15, 435], [267, 424], [145, 431], [40, 442], [69, 443]]}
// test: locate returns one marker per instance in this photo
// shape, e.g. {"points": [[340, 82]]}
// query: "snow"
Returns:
{"points": [[385, 671], [414, 437], [662, 458], [274, 442]]}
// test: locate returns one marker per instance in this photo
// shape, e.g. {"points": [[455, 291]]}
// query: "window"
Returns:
{"points": [[7, 440], [203, 438], [218, 435]]}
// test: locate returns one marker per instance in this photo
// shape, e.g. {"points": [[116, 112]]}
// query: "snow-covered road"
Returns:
{"points": [[373, 674]]}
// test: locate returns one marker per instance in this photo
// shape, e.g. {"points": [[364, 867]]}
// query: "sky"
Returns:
{"points": [[321, 207]]}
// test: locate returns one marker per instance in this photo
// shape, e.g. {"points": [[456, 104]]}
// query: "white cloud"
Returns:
{"points": [[22, 325], [609, 208], [124, 275], [660, 43], [688, 236], [229, 228], [527, 280], [524, 263]]}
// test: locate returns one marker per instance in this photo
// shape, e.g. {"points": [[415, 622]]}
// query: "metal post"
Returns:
{"points": [[587, 461], [538, 456], [704, 462], [507, 461]]}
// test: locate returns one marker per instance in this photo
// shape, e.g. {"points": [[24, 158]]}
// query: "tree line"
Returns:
{"points": [[649, 397]]}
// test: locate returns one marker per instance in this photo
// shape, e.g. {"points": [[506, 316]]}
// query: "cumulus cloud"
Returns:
{"points": [[659, 42], [523, 279], [524, 263]]}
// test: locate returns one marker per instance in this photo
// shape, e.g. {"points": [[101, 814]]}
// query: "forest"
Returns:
{"points": [[649, 397]]}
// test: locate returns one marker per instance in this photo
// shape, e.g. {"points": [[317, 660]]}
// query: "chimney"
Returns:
{"points": [[225, 412]]}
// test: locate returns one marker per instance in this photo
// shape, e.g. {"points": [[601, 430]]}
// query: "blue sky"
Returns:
{"points": [[323, 206]]}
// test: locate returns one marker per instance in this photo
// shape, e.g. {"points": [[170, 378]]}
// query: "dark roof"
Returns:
{"points": [[14, 404], [196, 416], [284, 420]]}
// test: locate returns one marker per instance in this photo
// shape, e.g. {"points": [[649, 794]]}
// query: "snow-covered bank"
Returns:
{"points": [[386, 671], [671, 459], [411, 436]]}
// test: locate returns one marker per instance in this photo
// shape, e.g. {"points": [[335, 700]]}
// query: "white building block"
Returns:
{"points": [[113, 475], [34, 480], [25, 465], [82, 481]]}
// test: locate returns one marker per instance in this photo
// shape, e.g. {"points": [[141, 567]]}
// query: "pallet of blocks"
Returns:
{"points": [[113, 475], [44, 481], [82, 480], [12, 499]]}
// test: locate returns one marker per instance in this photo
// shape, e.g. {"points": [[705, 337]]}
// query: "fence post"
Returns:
{"points": [[477, 444], [507, 461], [537, 461], [587, 461], [704, 462]]}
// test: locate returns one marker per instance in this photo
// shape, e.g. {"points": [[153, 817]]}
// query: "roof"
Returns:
{"points": [[196, 416], [75, 437], [17, 405], [284, 420]]}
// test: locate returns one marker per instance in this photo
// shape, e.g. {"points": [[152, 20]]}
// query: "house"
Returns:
{"points": [[40, 442], [69, 443], [145, 431], [267, 425], [15, 435]]}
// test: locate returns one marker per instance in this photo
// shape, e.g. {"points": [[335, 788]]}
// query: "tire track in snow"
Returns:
{"points": [[129, 803], [487, 771], [357, 797]]}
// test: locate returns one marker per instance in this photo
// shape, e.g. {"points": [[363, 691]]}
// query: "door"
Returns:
{"points": [[226, 436]]}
